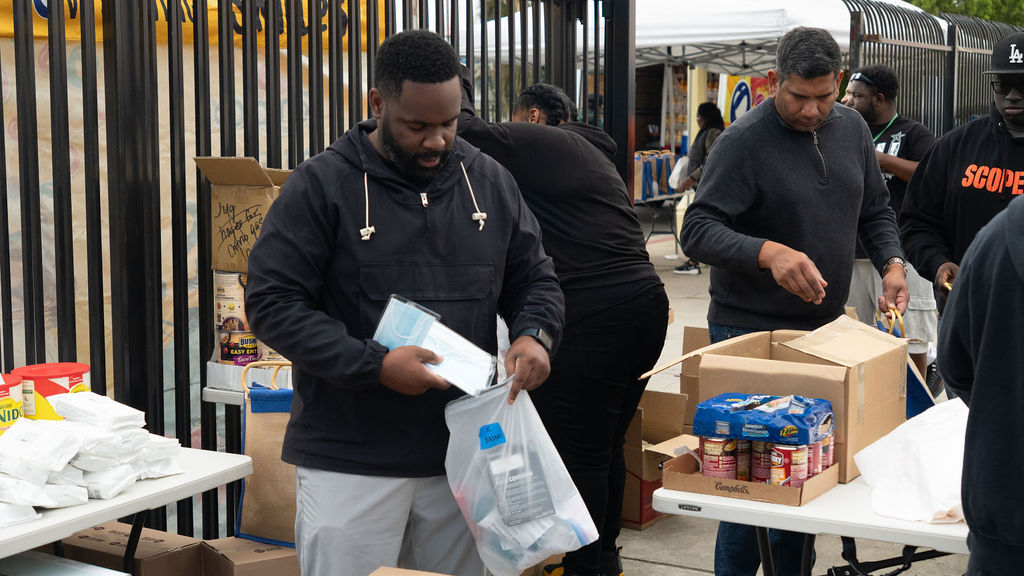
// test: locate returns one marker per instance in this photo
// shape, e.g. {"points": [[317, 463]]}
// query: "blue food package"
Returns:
{"points": [[783, 419]]}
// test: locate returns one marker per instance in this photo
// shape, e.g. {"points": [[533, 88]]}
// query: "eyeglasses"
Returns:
{"points": [[861, 78], [1003, 87]]}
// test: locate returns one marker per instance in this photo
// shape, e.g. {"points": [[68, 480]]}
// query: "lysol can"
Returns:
{"points": [[789, 465], [718, 457], [40, 381], [814, 459], [743, 460], [11, 400], [238, 348], [760, 461], [229, 301], [828, 450]]}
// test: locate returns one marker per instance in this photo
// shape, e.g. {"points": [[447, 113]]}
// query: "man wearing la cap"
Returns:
{"points": [[969, 176]]}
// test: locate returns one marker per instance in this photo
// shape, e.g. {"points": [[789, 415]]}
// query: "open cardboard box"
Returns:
{"points": [[658, 418], [858, 368], [683, 473], [241, 192]]}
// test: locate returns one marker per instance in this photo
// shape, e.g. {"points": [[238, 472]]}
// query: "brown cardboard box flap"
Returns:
{"points": [[846, 342], [235, 171], [675, 446], [756, 375], [388, 571], [662, 415]]}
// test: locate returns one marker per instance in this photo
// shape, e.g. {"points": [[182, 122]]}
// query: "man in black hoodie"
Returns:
{"points": [[969, 176], [615, 304], [398, 205], [980, 359]]}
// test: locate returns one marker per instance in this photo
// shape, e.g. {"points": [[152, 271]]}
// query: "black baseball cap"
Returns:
{"points": [[1008, 55]]}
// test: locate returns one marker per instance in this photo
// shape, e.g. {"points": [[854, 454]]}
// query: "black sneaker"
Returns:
{"points": [[933, 379], [611, 563], [691, 268]]}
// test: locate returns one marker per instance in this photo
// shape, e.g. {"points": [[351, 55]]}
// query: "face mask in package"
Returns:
{"points": [[520, 488]]}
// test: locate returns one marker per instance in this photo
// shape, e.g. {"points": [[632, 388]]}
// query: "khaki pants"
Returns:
{"points": [[350, 525]]}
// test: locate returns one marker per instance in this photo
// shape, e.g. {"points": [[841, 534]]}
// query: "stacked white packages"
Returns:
{"points": [[97, 451]]}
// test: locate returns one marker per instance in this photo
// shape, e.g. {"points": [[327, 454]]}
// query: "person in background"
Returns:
{"points": [[615, 305], [711, 124], [980, 358], [782, 201], [397, 205], [969, 176], [900, 143]]}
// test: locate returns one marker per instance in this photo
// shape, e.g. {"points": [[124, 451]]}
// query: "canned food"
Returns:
{"points": [[789, 465], [718, 457], [760, 461], [238, 348], [229, 301], [11, 400], [828, 450], [814, 459], [40, 381], [743, 460]]}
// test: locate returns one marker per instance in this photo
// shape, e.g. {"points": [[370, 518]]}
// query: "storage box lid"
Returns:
{"points": [[845, 342]]}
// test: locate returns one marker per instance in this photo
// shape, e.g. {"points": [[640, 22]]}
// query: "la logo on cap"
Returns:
{"points": [[1016, 56]]}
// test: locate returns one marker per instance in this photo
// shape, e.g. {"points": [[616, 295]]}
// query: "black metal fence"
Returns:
{"points": [[106, 255], [939, 60]]}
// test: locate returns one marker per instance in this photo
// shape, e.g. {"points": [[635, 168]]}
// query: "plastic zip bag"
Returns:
{"points": [[510, 483]]}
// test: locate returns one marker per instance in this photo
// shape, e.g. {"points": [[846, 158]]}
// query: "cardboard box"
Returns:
{"points": [[241, 557], [158, 554], [34, 563], [683, 473], [858, 368], [388, 571], [657, 419], [241, 192]]}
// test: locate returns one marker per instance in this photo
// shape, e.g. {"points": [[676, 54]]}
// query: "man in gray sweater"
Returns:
{"points": [[782, 200]]}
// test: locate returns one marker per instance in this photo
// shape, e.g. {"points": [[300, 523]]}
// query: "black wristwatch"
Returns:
{"points": [[539, 335]]}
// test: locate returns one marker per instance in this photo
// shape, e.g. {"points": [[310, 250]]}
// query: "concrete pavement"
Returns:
{"points": [[682, 546]]}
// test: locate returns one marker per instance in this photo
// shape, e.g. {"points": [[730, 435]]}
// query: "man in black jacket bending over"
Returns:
{"points": [[782, 200], [615, 305], [397, 205]]}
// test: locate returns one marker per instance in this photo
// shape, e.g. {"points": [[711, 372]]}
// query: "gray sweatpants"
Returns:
{"points": [[350, 525]]}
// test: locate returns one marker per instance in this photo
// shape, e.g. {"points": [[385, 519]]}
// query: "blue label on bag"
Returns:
{"points": [[491, 435]]}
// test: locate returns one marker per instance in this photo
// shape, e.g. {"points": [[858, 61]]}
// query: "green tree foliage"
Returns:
{"points": [[1007, 11]]}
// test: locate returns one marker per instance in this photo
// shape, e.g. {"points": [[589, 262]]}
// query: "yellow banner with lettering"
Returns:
{"points": [[72, 10]]}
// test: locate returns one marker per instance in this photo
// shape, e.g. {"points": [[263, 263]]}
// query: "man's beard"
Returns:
{"points": [[407, 164]]}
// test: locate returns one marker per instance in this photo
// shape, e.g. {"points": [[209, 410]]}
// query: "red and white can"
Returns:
{"points": [[828, 450], [743, 460], [789, 465], [718, 457], [760, 461], [814, 459]]}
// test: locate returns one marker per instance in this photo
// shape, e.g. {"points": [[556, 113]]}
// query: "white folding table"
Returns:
{"points": [[845, 510], [202, 470]]}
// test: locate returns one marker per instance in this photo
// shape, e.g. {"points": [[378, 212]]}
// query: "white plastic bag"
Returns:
{"points": [[510, 483], [679, 171], [914, 471]]}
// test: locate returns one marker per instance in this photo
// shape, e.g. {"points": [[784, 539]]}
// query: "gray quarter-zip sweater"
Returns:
{"points": [[812, 191]]}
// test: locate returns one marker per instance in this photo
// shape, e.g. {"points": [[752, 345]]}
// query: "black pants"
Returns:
{"points": [[612, 336]]}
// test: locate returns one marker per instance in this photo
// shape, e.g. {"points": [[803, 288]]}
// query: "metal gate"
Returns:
{"points": [[106, 258]]}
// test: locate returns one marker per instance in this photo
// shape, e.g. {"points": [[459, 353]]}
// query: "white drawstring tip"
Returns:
{"points": [[480, 217], [365, 233]]}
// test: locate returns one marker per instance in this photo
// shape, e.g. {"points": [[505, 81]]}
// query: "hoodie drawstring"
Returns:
{"points": [[368, 231]]}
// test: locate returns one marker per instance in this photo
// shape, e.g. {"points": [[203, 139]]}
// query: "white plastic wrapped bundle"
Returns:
{"points": [[69, 476], [106, 484], [18, 491], [14, 514], [31, 450], [97, 410], [65, 495]]}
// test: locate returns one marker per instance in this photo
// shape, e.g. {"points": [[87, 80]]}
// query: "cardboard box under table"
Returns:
{"points": [[241, 192], [858, 368], [657, 419], [158, 554], [241, 557]]}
